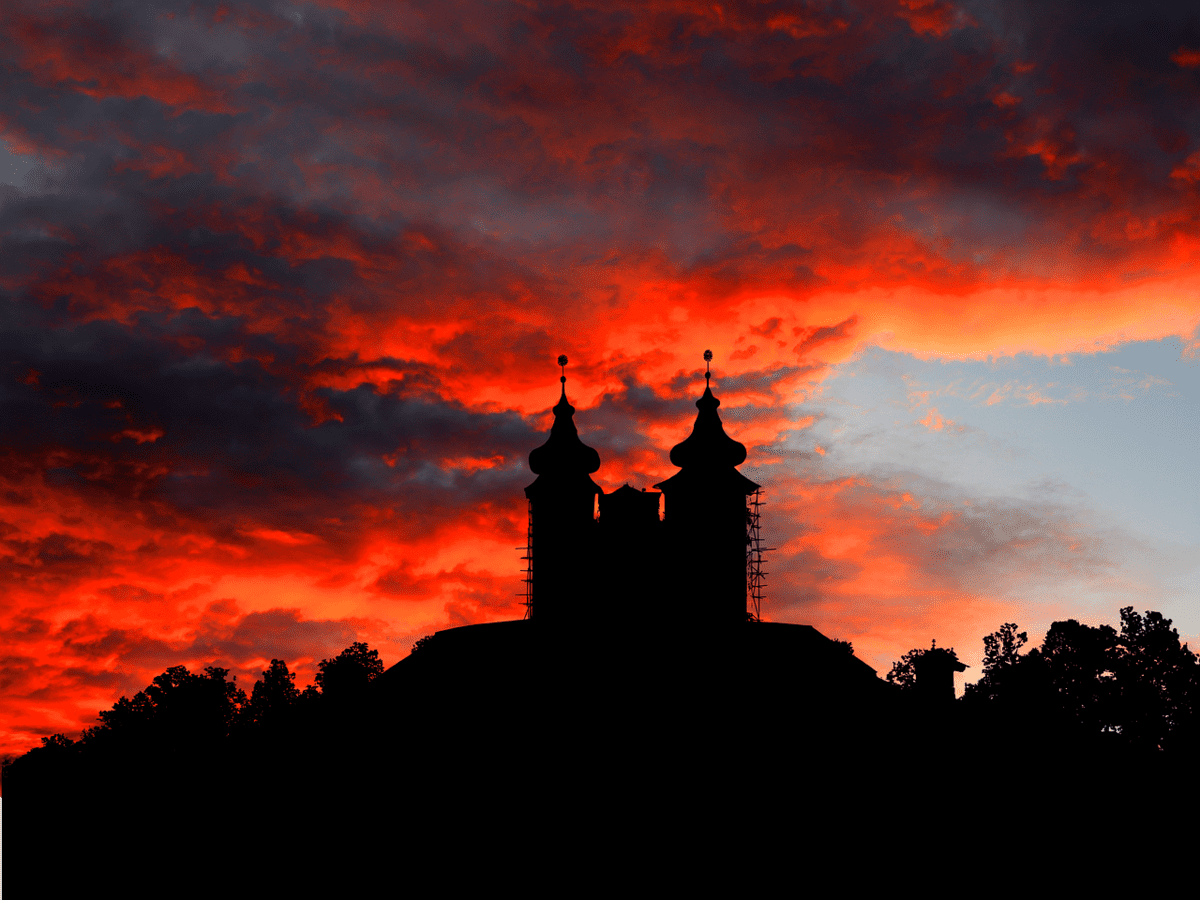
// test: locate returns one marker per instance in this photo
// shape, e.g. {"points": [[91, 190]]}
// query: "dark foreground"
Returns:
{"points": [[662, 760]]}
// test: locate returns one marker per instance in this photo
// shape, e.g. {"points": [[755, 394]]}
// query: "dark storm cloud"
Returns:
{"points": [[88, 639], [128, 412], [228, 172], [55, 558], [519, 117], [815, 337], [220, 634], [469, 594], [766, 383], [612, 421], [281, 633], [275, 267], [131, 592], [223, 186]]}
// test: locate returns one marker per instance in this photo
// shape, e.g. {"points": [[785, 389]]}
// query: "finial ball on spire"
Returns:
{"points": [[708, 356], [562, 360]]}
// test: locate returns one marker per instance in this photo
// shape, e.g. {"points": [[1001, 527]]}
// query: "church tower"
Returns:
{"points": [[705, 517], [563, 528]]}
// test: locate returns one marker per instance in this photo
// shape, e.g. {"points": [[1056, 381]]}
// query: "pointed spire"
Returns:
{"points": [[564, 453], [708, 446]]}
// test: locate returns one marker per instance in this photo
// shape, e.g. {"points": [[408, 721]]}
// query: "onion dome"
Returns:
{"points": [[564, 453], [708, 446]]}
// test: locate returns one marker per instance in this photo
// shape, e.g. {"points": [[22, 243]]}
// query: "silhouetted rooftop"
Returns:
{"points": [[708, 446], [708, 457], [564, 453]]}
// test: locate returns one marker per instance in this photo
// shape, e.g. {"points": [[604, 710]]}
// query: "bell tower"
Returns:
{"points": [[705, 516], [562, 523]]}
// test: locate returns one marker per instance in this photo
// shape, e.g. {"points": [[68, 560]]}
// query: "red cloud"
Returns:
{"points": [[1186, 58], [934, 17], [284, 327]]}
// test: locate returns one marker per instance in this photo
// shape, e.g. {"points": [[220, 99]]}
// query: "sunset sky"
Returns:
{"points": [[283, 287]]}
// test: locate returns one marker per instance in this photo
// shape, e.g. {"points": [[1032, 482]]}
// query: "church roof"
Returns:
{"points": [[708, 446], [564, 453], [708, 452]]}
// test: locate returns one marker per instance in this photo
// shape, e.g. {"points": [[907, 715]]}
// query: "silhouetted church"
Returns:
{"points": [[641, 621], [637, 708], [697, 554]]}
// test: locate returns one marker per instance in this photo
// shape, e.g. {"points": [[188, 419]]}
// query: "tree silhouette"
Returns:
{"points": [[1001, 656], [1087, 681], [421, 643], [1001, 649], [348, 673], [178, 707], [904, 672], [57, 749], [273, 696], [1078, 676], [1155, 679]]}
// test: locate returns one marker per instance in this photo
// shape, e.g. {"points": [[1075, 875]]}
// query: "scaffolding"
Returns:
{"points": [[756, 578], [527, 594]]}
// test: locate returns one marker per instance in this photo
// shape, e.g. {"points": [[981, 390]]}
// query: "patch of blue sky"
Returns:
{"points": [[1119, 426], [1113, 435]]}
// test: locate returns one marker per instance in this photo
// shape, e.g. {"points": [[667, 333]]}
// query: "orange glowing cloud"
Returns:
{"points": [[286, 300]]}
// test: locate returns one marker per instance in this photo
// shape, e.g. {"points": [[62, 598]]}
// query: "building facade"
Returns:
{"points": [[692, 558]]}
